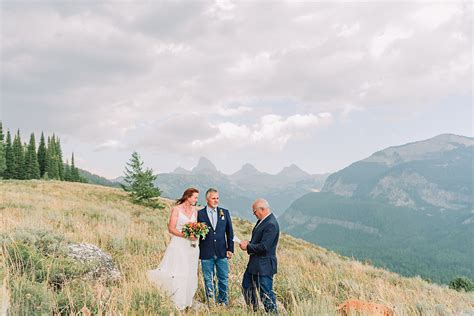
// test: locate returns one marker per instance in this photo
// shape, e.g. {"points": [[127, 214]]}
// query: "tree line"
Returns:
{"points": [[22, 161]]}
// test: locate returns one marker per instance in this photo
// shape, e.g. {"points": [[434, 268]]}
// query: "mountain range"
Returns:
{"points": [[408, 208], [240, 189], [425, 175]]}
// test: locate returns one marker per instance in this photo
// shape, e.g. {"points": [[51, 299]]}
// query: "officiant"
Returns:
{"points": [[262, 265]]}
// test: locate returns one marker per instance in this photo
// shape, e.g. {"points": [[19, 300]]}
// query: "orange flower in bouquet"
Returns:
{"points": [[196, 229]]}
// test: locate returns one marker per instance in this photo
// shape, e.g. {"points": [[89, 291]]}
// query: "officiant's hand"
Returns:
{"points": [[243, 244], [229, 254], [192, 237]]}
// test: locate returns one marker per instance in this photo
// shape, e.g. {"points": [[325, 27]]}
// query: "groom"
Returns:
{"points": [[262, 265], [216, 248]]}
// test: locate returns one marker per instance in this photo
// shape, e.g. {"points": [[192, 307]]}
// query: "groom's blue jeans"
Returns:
{"points": [[209, 269]]}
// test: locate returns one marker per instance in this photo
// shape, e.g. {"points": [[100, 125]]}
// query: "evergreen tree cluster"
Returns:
{"points": [[22, 161]]}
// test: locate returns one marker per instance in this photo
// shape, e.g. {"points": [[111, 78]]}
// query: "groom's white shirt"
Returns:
{"points": [[212, 214]]}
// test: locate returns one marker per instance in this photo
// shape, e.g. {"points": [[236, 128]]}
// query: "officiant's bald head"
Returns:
{"points": [[260, 208]]}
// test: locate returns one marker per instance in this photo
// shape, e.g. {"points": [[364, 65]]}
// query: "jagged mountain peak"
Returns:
{"points": [[248, 173], [204, 164], [293, 171], [247, 169]]}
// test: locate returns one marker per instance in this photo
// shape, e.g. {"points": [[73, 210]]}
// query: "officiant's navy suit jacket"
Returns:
{"points": [[262, 247], [218, 241]]}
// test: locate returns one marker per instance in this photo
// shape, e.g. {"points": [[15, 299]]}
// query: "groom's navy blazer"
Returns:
{"points": [[218, 241], [262, 247]]}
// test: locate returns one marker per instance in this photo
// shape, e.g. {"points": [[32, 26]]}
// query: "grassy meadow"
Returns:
{"points": [[48, 214]]}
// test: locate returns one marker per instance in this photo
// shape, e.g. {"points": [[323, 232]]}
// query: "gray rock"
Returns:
{"points": [[102, 266]]}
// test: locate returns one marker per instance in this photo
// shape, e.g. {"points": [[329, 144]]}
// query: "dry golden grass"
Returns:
{"points": [[311, 280]]}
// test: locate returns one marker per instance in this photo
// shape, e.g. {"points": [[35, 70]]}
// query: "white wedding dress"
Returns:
{"points": [[177, 273]]}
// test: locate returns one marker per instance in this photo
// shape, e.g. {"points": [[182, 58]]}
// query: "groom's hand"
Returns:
{"points": [[243, 244], [229, 254]]}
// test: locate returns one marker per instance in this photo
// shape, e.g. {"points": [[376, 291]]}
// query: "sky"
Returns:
{"points": [[271, 83]]}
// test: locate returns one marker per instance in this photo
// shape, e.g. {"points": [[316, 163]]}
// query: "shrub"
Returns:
{"points": [[75, 295], [30, 298], [462, 283]]}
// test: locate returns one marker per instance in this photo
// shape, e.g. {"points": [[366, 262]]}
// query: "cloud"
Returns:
{"points": [[381, 42], [347, 30], [234, 111], [153, 74], [100, 49], [272, 131], [436, 14], [252, 65], [172, 133], [110, 144]]}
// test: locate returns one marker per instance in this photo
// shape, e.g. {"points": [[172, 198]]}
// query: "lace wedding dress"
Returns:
{"points": [[177, 273]]}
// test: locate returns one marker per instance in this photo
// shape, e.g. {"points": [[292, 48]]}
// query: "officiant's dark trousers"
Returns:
{"points": [[263, 284]]}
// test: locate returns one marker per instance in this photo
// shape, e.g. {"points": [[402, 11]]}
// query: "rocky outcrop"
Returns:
{"points": [[102, 267]]}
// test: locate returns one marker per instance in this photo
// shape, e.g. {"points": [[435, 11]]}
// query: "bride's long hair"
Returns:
{"points": [[186, 195]]}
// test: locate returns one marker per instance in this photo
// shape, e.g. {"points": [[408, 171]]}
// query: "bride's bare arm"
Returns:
{"points": [[172, 223]]}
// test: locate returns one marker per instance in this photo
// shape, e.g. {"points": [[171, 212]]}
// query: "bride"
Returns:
{"points": [[177, 272]]}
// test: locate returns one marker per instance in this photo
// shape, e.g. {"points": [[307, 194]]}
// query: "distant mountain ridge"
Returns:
{"points": [[407, 207], [238, 190], [96, 179], [421, 175], [294, 172], [246, 171], [421, 150]]}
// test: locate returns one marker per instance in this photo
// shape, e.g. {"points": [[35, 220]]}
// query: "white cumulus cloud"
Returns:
{"points": [[271, 131]]}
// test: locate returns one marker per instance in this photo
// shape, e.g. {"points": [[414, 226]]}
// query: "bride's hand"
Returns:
{"points": [[192, 237]]}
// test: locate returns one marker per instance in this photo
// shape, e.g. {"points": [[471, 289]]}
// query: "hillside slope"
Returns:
{"points": [[311, 280], [434, 247]]}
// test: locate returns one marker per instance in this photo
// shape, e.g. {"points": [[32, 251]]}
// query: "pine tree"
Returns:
{"points": [[8, 174], [32, 165], [67, 171], [3, 161], [47, 160], [42, 156], [52, 159], [139, 182], [59, 153], [24, 166], [18, 157], [74, 171]]}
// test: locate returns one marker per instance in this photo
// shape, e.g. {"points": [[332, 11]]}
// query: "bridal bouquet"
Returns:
{"points": [[196, 229]]}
